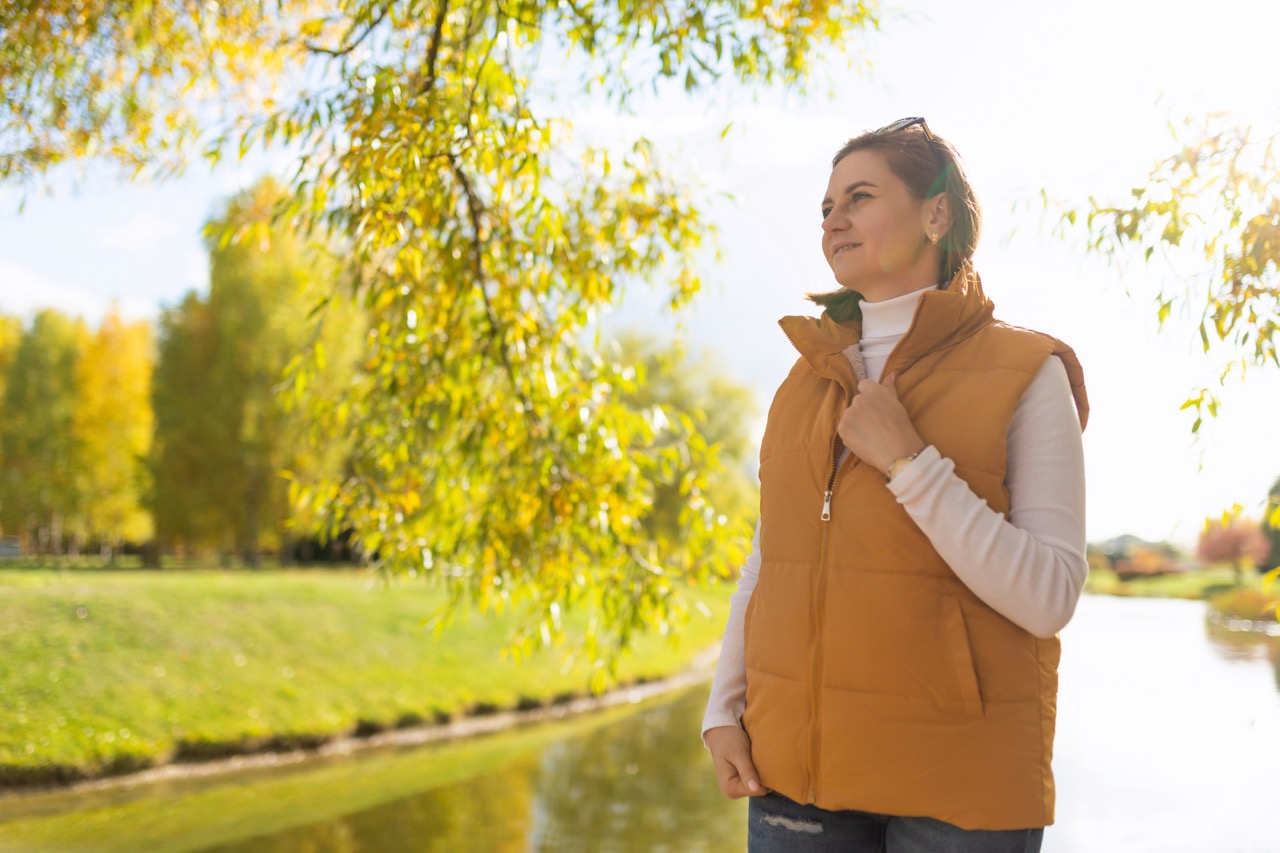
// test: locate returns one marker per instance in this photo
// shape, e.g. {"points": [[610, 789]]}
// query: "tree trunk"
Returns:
{"points": [[286, 551], [249, 551]]}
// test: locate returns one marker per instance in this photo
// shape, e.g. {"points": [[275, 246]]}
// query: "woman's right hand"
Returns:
{"points": [[731, 754]]}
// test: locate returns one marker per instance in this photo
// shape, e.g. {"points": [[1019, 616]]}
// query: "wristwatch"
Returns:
{"points": [[898, 464]]}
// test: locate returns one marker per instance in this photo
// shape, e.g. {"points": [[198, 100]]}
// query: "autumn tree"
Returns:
{"points": [[43, 494], [702, 412], [226, 437], [1236, 541], [1271, 525], [10, 336], [695, 399], [1212, 207], [1146, 561], [113, 424], [76, 427], [494, 450], [184, 452]]}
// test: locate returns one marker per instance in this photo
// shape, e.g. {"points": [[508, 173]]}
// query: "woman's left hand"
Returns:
{"points": [[876, 427]]}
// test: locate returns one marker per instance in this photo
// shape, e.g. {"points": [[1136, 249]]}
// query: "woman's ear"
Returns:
{"points": [[937, 216]]}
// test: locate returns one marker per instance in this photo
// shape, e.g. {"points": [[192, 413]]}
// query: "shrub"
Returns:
{"points": [[1248, 603]]}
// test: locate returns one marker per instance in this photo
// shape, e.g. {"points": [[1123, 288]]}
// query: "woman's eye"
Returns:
{"points": [[860, 195], [826, 211]]}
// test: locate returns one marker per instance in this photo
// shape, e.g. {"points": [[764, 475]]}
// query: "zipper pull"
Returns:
{"points": [[826, 505]]}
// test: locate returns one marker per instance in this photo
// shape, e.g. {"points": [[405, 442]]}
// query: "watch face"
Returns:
{"points": [[898, 464]]}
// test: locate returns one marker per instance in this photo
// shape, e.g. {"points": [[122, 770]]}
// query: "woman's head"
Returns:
{"points": [[892, 191]]}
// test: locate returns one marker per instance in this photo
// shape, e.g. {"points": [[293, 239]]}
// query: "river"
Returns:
{"points": [[1168, 740]]}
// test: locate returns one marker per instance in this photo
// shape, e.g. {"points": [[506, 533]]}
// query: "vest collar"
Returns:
{"points": [[942, 317]]}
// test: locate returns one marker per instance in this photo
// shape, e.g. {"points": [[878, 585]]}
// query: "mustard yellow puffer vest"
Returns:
{"points": [[875, 679]]}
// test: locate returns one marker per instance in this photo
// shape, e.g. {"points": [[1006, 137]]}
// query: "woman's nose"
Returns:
{"points": [[833, 222]]}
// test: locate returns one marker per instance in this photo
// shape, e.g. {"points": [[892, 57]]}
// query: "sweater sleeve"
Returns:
{"points": [[1030, 567], [729, 687]]}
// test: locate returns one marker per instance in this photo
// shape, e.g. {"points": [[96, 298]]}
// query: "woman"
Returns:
{"points": [[888, 678]]}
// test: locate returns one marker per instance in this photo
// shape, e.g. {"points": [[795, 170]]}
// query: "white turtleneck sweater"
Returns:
{"points": [[1029, 567]]}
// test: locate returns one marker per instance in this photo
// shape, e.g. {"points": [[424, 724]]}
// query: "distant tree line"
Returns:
{"points": [[76, 424], [1233, 539], [180, 439], [173, 437]]}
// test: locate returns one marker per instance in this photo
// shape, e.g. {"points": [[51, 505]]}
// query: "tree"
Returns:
{"points": [[1146, 561], [225, 437], [10, 337], [43, 491], [1216, 200], [494, 450], [1233, 540], [698, 401], [131, 81], [1271, 525], [113, 425], [182, 463]]}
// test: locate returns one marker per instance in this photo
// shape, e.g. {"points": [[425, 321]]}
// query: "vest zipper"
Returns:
{"points": [[815, 682], [835, 466], [820, 594], [814, 752]]}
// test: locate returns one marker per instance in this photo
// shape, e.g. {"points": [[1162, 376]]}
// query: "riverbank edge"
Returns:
{"points": [[698, 671]]}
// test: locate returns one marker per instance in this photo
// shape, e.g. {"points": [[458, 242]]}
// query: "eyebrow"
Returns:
{"points": [[853, 186]]}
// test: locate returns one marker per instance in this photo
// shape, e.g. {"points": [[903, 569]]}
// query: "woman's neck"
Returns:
{"points": [[890, 317]]}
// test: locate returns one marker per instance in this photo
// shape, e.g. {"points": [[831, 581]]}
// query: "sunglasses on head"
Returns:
{"points": [[903, 124]]}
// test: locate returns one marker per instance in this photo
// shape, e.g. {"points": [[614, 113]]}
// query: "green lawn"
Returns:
{"points": [[105, 671], [1194, 585]]}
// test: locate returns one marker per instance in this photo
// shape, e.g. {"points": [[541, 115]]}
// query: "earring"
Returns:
{"points": [[933, 238]]}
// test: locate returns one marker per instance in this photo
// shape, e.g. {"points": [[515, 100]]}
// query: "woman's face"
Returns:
{"points": [[874, 232]]}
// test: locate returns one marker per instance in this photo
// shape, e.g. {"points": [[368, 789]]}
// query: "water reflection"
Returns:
{"points": [[642, 783], [1244, 646], [489, 812], [647, 786]]}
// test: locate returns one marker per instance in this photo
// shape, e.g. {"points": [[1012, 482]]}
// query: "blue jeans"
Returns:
{"points": [[779, 825]]}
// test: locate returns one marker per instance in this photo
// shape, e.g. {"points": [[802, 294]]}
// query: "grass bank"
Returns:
{"points": [[106, 672]]}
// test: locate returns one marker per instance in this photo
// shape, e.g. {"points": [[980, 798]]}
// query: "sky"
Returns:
{"points": [[1073, 99]]}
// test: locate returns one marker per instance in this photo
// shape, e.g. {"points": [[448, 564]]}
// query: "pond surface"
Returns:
{"points": [[1169, 732], [1168, 740]]}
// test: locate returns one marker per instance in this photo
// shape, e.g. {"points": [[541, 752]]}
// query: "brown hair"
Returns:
{"points": [[928, 165]]}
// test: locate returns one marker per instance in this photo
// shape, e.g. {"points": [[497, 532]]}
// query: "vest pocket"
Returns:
{"points": [[957, 634]]}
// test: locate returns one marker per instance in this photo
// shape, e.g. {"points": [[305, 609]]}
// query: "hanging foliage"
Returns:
{"points": [[494, 448]]}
